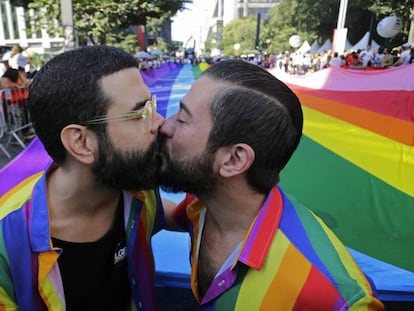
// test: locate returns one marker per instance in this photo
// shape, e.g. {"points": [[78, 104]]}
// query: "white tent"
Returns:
{"points": [[142, 55], [304, 48], [314, 47], [326, 46], [363, 42], [157, 53]]}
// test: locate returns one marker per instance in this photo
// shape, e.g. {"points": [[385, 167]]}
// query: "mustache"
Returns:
{"points": [[160, 150]]}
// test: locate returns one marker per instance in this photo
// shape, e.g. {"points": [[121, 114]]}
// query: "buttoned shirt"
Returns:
{"points": [[29, 273], [288, 260]]}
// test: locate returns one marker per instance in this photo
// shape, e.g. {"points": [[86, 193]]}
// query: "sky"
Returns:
{"points": [[187, 22]]}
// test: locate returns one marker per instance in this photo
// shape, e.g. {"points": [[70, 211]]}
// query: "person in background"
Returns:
{"points": [[9, 79], [353, 60], [15, 112], [17, 59], [336, 61], [253, 247], [405, 55], [367, 56], [30, 69], [4, 65], [387, 59], [77, 236]]}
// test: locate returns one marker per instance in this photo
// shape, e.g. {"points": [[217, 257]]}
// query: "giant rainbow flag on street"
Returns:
{"points": [[354, 167], [355, 164]]}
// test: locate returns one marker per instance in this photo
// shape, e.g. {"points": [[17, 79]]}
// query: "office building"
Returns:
{"points": [[15, 26]]}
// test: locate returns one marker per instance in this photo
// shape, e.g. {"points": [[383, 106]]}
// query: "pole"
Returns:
{"points": [[67, 22], [371, 29], [340, 32], [342, 14], [257, 46]]}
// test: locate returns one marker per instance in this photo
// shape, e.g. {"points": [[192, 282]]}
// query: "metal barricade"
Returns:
{"points": [[3, 130], [15, 118]]}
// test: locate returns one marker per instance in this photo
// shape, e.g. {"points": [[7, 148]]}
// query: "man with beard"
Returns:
{"points": [[252, 247], [77, 236]]}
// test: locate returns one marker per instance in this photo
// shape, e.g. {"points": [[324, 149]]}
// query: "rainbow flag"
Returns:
{"points": [[354, 166]]}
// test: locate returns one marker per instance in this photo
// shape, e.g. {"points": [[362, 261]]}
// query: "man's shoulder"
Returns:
{"points": [[148, 200], [146, 196], [18, 195]]}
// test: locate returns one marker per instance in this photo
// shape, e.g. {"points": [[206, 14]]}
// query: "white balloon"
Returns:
{"points": [[389, 26], [295, 41]]}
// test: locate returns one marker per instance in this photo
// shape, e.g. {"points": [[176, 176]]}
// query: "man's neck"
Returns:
{"points": [[233, 207], [230, 213], [79, 210]]}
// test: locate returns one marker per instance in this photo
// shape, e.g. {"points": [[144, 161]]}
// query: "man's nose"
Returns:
{"points": [[168, 128], [157, 121]]}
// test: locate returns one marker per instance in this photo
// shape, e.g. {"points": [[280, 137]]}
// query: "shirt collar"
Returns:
{"points": [[261, 232]]}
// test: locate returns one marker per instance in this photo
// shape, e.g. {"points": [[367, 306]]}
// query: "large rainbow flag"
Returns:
{"points": [[355, 164], [354, 167]]}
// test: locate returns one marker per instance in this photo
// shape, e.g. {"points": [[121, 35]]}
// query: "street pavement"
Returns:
{"points": [[13, 148]]}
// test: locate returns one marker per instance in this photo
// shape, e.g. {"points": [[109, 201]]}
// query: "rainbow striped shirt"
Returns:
{"points": [[289, 260], [29, 272]]}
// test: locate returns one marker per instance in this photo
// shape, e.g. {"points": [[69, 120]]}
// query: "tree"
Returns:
{"points": [[401, 9], [242, 31], [95, 20], [284, 21], [316, 20]]}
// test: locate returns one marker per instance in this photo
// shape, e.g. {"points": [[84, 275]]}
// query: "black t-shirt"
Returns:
{"points": [[95, 274]]}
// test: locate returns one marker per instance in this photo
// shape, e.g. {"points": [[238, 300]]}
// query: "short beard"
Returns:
{"points": [[195, 175], [125, 170]]}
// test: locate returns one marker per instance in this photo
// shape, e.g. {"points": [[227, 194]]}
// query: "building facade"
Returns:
{"points": [[16, 27]]}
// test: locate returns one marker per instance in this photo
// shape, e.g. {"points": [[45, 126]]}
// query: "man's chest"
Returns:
{"points": [[214, 252]]}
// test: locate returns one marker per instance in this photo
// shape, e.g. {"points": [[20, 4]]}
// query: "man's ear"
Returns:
{"points": [[79, 142], [235, 160]]}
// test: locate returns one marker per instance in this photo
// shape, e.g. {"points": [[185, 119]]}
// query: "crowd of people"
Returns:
{"points": [[16, 72], [17, 68], [368, 58]]}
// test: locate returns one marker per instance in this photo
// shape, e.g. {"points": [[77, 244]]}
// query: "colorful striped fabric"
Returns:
{"points": [[352, 168], [289, 260], [355, 165], [29, 274]]}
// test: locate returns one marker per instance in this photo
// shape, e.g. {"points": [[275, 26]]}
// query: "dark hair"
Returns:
{"points": [[67, 89], [11, 74], [259, 110]]}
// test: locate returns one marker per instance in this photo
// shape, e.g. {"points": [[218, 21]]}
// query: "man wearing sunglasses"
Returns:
{"points": [[77, 236]]}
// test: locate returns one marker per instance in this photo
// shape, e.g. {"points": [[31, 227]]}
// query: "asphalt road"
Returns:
{"points": [[13, 148]]}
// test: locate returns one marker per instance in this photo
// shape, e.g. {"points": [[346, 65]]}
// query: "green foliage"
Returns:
{"points": [[210, 44], [316, 20], [47, 14], [242, 31], [126, 41], [398, 8], [284, 22], [103, 20], [159, 44]]}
